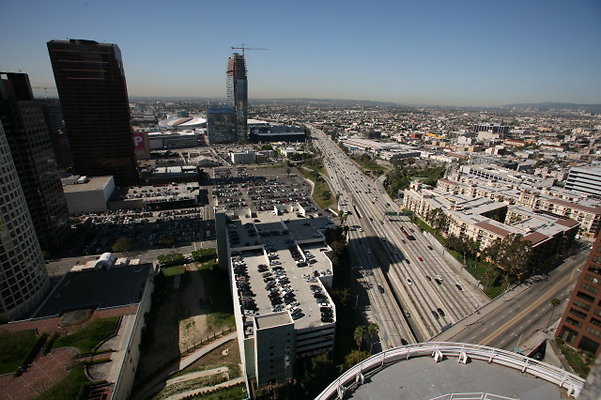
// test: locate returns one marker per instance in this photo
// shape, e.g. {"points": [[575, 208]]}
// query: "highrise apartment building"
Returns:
{"points": [[32, 153], [23, 280], [580, 324], [237, 91], [91, 85]]}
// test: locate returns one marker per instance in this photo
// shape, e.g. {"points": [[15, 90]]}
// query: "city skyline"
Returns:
{"points": [[464, 53]]}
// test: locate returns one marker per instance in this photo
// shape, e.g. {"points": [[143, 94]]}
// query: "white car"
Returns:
{"points": [[409, 281], [439, 277]]}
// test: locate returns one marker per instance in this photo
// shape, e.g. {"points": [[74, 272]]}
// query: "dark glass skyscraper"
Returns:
{"points": [[31, 150], [91, 85], [237, 91]]}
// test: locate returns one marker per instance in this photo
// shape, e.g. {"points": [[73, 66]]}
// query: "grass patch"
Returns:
{"points": [[279, 165], [370, 165], [14, 346], [172, 271], [204, 255], [321, 190], [425, 227], [581, 363], [230, 393], [68, 388], [209, 265], [89, 337], [494, 291]]}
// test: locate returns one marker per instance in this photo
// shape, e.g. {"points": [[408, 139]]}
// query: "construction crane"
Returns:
{"points": [[243, 47]]}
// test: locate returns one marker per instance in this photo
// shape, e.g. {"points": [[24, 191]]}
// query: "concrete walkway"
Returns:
{"points": [[190, 358], [157, 383], [197, 374], [183, 395]]}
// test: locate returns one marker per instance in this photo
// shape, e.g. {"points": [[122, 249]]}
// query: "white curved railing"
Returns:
{"points": [[355, 376], [472, 396]]}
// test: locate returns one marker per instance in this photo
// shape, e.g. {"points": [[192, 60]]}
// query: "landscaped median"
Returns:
{"points": [[321, 190]]}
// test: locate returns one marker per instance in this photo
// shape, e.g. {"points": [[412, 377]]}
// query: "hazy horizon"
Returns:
{"points": [[465, 53]]}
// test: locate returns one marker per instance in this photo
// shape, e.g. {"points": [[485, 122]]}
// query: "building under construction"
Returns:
{"points": [[237, 92]]}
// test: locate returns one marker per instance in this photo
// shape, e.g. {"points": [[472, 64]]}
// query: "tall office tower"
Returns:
{"points": [[580, 324], [91, 86], [29, 141], [237, 91], [23, 277]]}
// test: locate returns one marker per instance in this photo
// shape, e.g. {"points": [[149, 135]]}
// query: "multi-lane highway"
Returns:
{"points": [[511, 319], [413, 294]]}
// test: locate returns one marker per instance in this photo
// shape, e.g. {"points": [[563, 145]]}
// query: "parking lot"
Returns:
{"points": [[146, 229], [259, 189]]}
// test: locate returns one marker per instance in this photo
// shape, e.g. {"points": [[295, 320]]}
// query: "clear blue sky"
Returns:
{"points": [[485, 52]]}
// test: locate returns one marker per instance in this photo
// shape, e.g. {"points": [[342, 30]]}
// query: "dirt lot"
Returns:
{"points": [[178, 322], [227, 353], [194, 328]]}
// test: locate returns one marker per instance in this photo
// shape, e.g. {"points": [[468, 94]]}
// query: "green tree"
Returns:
{"points": [[319, 373], [372, 330], [358, 335], [438, 219], [512, 255], [554, 302], [171, 259], [122, 244], [204, 255], [354, 357]]}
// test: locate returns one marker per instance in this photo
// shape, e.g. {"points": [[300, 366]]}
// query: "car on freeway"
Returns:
{"points": [[458, 286], [409, 281], [419, 258], [380, 289], [439, 277], [435, 314], [440, 311], [428, 278]]}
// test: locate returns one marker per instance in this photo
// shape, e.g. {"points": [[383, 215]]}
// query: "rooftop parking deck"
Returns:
{"points": [[284, 268]]}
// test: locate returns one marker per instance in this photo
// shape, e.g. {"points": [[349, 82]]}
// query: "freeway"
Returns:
{"points": [[509, 320], [413, 284]]}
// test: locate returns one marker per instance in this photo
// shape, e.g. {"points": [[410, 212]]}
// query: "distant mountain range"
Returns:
{"points": [[543, 106], [546, 106]]}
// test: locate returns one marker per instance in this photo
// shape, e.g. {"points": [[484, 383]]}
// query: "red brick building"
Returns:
{"points": [[580, 324]]}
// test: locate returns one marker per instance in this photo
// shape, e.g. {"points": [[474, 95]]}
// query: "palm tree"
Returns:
{"points": [[372, 330], [554, 302], [358, 335]]}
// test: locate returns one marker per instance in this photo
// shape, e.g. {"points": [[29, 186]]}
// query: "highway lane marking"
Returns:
{"points": [[535, 304]]}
